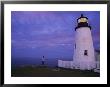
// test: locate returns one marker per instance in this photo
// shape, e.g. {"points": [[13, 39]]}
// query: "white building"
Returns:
{"points": [[84, 54]]}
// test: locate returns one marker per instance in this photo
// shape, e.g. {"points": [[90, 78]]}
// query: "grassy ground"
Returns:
{"points": [[43, 71]]}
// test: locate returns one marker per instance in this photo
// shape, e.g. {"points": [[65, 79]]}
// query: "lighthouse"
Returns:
{"points": [[84, 53], [83, 57]]}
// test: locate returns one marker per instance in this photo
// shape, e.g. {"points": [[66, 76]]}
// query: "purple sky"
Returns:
{"points": [[51, 34]]}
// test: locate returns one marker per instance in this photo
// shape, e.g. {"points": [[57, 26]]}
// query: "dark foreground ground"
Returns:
{"points": [[43, 71]]}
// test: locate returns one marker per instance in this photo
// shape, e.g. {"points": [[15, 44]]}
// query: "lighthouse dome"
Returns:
{"points": [[82, 19], [82, 22]]}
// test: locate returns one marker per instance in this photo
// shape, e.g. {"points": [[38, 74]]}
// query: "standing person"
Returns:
{"points": [[43, 60]]}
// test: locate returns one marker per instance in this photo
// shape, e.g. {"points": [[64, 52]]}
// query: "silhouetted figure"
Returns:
{"points": [[43, 60]]}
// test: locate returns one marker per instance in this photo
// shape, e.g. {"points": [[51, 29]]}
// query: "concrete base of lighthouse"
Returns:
{"points": [[84, 65], [80, 65]]}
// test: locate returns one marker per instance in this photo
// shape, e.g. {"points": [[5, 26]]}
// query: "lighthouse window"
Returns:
{"points": [[75, 46], [85, 52]]}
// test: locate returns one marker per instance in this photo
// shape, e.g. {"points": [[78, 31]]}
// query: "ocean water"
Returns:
{"points": [[50, 62]]}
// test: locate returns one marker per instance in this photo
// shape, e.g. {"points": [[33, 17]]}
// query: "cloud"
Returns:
{"points": [[43, 42], [48, 29]]}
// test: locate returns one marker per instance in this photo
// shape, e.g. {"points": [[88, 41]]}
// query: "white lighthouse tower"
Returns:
{"points": [[84, 57]]}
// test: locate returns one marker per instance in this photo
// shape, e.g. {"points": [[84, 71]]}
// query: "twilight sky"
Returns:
{"points": [[38, 33]]}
